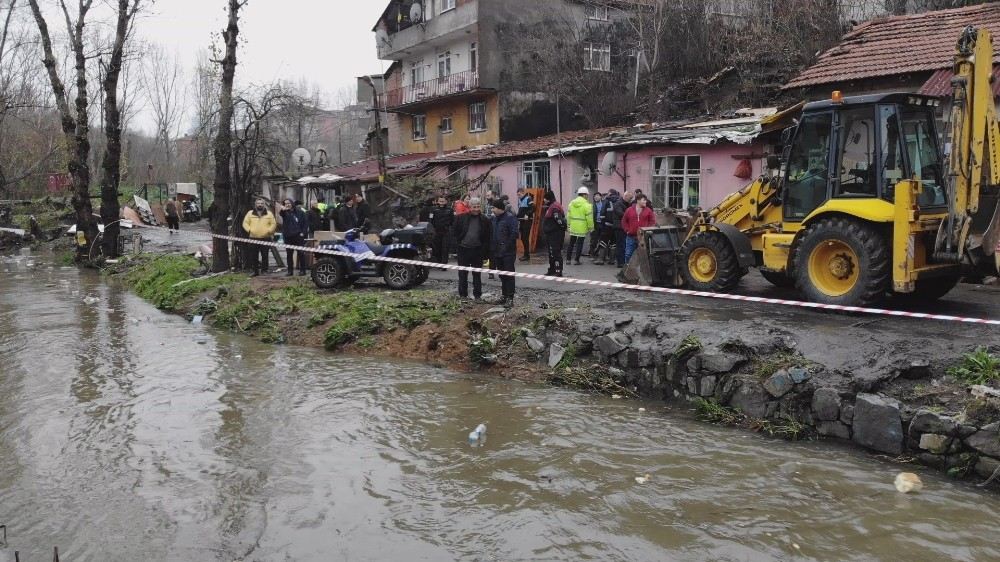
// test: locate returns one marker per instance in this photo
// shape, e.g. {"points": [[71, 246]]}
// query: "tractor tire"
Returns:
{"points": [[842, 261], [929, 290], [399, 277], [710, 263], [779, 279], [328, 273]]}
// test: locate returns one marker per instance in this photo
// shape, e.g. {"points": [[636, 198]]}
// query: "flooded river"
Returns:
{"points": [[121, 438]]}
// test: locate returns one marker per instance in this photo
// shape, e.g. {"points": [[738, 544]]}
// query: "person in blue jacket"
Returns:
{"points": [[503, 249]]}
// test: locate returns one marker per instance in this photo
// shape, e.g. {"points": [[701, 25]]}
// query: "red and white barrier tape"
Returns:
{"points": [[625, 286]]}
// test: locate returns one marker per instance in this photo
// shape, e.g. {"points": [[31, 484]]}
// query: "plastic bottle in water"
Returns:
{"points": [[478, 433]]}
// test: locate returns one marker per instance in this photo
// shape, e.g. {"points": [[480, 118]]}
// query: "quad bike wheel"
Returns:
{"points": [[842, 261], [710, 263], [400, 276], [328, 273], [422, 274]]}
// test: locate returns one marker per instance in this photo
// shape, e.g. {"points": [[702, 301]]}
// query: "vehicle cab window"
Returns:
{"points": [[925, 160], [856, 149], [808, 173]]}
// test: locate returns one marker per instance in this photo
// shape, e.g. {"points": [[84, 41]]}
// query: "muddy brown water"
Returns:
{"points": [[121, 438]]}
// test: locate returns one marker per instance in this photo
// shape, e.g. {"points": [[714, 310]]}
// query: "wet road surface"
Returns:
{"points": [[121, 438]]}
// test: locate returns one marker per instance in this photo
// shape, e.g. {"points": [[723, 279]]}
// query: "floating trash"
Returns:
{"points": [[907, 482], [477, 435], [197, 319], [91, 300], [642, 479]]}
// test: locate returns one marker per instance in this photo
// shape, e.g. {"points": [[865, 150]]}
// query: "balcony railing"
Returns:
{"points": [[437, 88]]}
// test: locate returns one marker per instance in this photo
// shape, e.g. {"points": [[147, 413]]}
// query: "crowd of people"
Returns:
{"points": [[297, 225], [476, 230], [611, 222]]}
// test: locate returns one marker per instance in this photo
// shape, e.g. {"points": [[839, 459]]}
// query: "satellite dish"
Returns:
{"points": [[301, 157], [322, 158], [609, 164], [416, 12]]}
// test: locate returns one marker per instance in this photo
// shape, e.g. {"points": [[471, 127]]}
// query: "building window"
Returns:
{"points": [[676, 182], [474, 57], [416, 73], [446, 125], [477, 116], [447, 5], [535, 175], [597, 12], [419, 127], [597, 56], [444, 65]]}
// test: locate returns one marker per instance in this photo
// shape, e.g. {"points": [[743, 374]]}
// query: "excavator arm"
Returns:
{"points": [[975, 149]]}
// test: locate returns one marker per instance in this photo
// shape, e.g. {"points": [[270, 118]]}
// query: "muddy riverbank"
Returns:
{"points": [[901, 393]]}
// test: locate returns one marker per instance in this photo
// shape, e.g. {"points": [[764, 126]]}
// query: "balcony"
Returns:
{"points": [[452, 85], [401, 38]]}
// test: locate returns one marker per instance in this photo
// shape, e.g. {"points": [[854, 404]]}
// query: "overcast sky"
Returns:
{"points": [[327, 42]]}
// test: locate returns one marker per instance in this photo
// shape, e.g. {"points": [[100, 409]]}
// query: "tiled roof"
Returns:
{"points": [[899, 45]]}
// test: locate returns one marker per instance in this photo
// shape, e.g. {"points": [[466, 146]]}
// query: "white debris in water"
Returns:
{"points": [[616, 396], [642, 479], [907, 482], [91, 300], [642, 409]]}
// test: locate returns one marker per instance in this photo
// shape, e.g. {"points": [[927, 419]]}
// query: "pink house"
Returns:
{"points": [[678, 166]]}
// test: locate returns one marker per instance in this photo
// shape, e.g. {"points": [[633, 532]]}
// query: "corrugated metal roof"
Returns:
{"points": [[939, 85], [899, 45], [367, 170], [742, 129]]}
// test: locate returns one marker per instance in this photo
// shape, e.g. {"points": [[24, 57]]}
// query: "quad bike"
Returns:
{"points": [[329, 271]]}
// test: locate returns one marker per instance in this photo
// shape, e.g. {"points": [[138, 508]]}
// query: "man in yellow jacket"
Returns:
{"points": [[581, 223], [260, 225]]}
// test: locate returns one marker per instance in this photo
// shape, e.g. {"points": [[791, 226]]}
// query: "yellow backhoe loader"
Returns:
{"points": [[865, 205]]}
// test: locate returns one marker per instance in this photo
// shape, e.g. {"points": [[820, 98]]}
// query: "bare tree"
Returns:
{"points": [[224, 139], [75, 122], [164, 82], [111, 165], [29, 135]]}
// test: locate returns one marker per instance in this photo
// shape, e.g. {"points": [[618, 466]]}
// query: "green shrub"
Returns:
{"points": [[977, 367]]}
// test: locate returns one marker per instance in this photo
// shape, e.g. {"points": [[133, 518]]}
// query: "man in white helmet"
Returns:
{"points": [[581, 223]]}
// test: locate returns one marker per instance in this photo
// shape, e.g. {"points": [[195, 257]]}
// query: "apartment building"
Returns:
{"points": [[450, 85]]}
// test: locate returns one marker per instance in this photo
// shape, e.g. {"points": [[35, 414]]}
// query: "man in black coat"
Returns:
{"points": [[472, 235], [347, 215], [621, 206], [442, 218], [503, 248], [294, 229]]}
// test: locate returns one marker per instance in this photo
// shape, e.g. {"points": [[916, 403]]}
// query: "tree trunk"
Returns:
{"points": [[224, 141], [111, 165], [75, 127]]}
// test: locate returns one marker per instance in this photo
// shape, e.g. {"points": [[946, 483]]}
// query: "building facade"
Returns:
{"points": [[453, 85]]}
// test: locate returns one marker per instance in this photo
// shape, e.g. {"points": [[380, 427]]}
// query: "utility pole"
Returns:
{"points": [[379, 149]]}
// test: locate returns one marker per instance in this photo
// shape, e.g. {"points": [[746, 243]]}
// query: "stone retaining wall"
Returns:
{"points": [[770, 380]]}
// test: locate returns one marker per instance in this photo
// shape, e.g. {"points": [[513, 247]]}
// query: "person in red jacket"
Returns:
{"points": [[637, 216]]}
